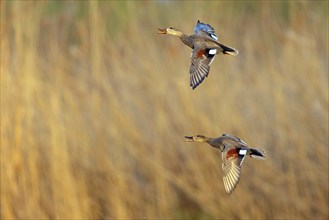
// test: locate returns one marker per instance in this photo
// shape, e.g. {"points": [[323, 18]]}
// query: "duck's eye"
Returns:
{"points": [[170, 28]]}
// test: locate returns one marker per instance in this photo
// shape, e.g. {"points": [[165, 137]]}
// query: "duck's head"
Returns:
{"points": [[196, 138], [170, 30]]}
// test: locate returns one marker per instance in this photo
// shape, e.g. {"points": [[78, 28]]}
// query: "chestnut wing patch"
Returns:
{"points": [[206, 53], [232, 153], [200, 53]]}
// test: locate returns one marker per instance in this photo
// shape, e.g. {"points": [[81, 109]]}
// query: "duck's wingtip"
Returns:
{"points": [[193, 86]]}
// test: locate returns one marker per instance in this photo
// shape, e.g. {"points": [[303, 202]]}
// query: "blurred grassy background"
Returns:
{"points": [[95, 105]]}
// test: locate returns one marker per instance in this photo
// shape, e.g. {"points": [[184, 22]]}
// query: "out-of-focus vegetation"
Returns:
{"points": [[95, 105]]}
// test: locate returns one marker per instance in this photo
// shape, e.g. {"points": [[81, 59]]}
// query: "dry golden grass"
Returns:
{"points": [[95, 105]]}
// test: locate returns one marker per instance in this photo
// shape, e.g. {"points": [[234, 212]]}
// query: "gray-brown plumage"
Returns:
{"points": [[233, 151], [205, 45]]}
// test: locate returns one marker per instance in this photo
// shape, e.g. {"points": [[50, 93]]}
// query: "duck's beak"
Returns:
{"points": [[189, 139], [162, 31]]}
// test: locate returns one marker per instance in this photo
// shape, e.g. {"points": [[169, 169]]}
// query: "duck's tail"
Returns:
{"points": [[229, 50], [258, 154]]}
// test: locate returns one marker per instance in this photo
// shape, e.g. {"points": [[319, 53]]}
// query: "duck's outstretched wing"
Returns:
{"points": [[205, 28], [231, 166], [200, 64]]}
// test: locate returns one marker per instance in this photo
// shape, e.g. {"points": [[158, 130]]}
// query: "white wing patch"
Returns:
{"points": [[243, 152], [212, 51]]}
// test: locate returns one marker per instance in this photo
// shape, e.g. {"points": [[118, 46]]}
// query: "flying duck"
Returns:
{"points": [[234, 150], [205, 45]]}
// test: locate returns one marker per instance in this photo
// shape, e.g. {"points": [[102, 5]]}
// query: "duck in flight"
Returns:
{"points": [[205, 45], [234, 150]]}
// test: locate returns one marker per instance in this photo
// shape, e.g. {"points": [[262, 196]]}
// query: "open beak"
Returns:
{"points": [[162, 31], [189, 139]]}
